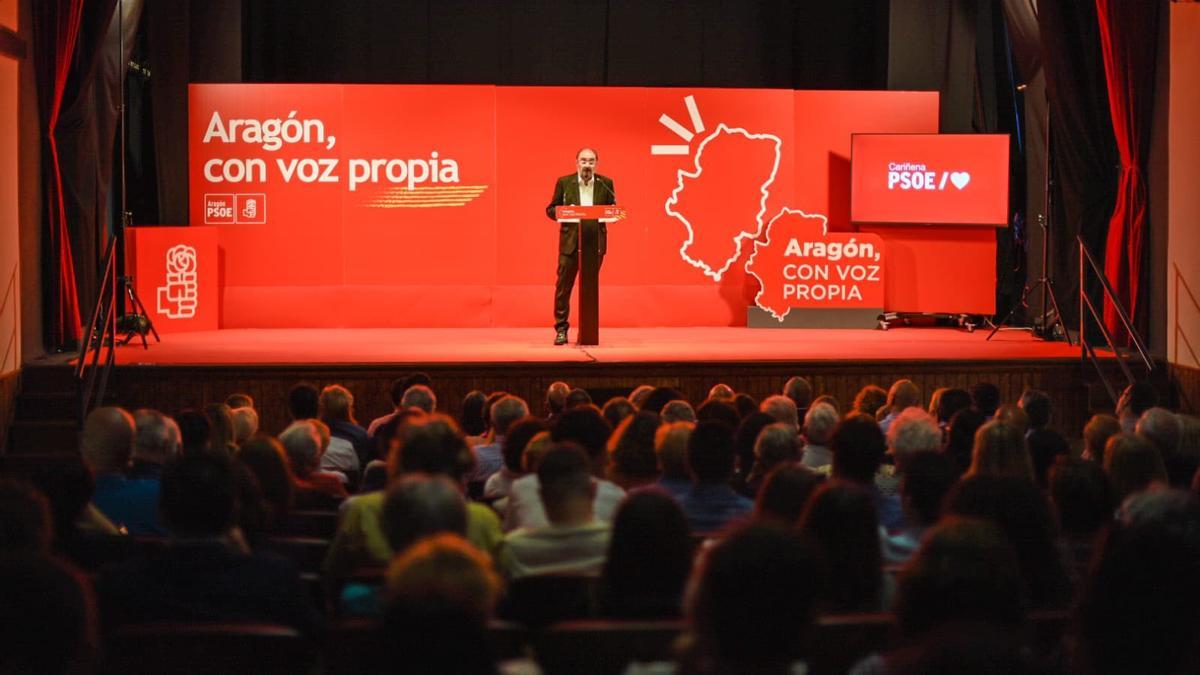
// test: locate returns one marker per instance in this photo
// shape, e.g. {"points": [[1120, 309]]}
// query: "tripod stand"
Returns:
{"points": [[1044, 283]]}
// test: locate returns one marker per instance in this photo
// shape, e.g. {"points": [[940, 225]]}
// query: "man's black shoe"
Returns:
{"points": [[560, 338]]}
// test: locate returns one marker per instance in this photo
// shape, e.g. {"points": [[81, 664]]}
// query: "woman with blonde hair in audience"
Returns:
{"points": [[903, 394], [1000, 451]]}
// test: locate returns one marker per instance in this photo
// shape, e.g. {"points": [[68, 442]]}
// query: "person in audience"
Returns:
{"points": [[670, 447], [827, 399], [631, 459], [911, 433], [951, 402], [203, 574], [819, 424], [268, 461], [1083, 501], [638, 396], [616, 409], [965, 576], [721, 392], [1136, 399], [1164, 429], [474, 425], [745, 405], [869, 400], [1014, 416], [679, 411], [350, 448], [1133, 464], [935, 400], [573, 540], [423, 400], [106, 444], [985, 398], [416, 507], [302, 402], [421, 397], [858, 449], [743, 448], [782, 409], [776, 445], [840, 518], [719, 411], [801, 392], [902, 394], [488, 456], [1023, 514], [784, 494], [587, 428], [48, 616], [220, 425], [927, 478], [1000, 451], [440, 592], [960, 438], [245, 424], [27, 526], [239, 400], [81, 532], [1044, 443], [711, 504], [1096, 433], [754, 601], [195, 434], [577, 398], [337, 455], [659, 397], [431, 445], [156, 441], [1137, 611], [497, 487], [315, 488], [556, 400], [649, 559]]}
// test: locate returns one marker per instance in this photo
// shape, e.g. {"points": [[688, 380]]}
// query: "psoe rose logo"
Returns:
{"points": [[180, 296]]}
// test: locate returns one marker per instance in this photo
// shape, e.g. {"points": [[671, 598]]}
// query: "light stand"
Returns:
{"points": [[1043, 327]]}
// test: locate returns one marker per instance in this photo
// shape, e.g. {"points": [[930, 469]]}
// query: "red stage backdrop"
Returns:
{"points": [[389, 205]]}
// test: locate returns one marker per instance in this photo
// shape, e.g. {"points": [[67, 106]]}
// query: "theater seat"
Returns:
{"points": [[352, 646], [316, 523], [202, 649], [539, 600], [307, 553], [594, 647], [837, 641]]}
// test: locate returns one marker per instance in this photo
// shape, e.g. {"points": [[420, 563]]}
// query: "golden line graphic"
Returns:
{"points": [[423, 197]]}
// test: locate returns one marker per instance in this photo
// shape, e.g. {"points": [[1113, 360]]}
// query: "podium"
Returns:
{"points": [[589, 219]]}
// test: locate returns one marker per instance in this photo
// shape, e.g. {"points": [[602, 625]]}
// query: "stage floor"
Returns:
{"points": [[618, 345]]}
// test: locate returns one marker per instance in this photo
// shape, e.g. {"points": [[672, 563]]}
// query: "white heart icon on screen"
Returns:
{"points": [[960, 179]]}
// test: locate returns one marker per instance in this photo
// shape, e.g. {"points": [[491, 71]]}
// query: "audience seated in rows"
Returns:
{"points": [[573, 541], [819, 424], [489, 457], [587, 428], [106, 444], [710, 504], [205, 573]]}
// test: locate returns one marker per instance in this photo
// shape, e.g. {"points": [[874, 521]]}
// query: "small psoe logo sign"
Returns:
{"points": [[235, 209], [916, 176], [178, 299]]}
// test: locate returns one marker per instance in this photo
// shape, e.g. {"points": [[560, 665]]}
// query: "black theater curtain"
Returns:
{"points": [[79, 69], [1082, 144], [1129, 38]]}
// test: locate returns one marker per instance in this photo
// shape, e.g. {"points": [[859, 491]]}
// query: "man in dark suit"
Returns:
{"points": [[585, 187]]}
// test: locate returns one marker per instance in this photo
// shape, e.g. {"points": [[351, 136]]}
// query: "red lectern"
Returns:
{"points": [[589, 219]]}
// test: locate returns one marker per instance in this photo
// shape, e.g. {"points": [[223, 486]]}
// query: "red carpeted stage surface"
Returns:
{"points": [[194, 369]]}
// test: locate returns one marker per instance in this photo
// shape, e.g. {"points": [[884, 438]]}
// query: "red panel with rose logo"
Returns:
{"points": [[175, 275]]}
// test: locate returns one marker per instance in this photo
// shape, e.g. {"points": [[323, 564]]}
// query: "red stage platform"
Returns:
{"points": [[403, 346]]}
